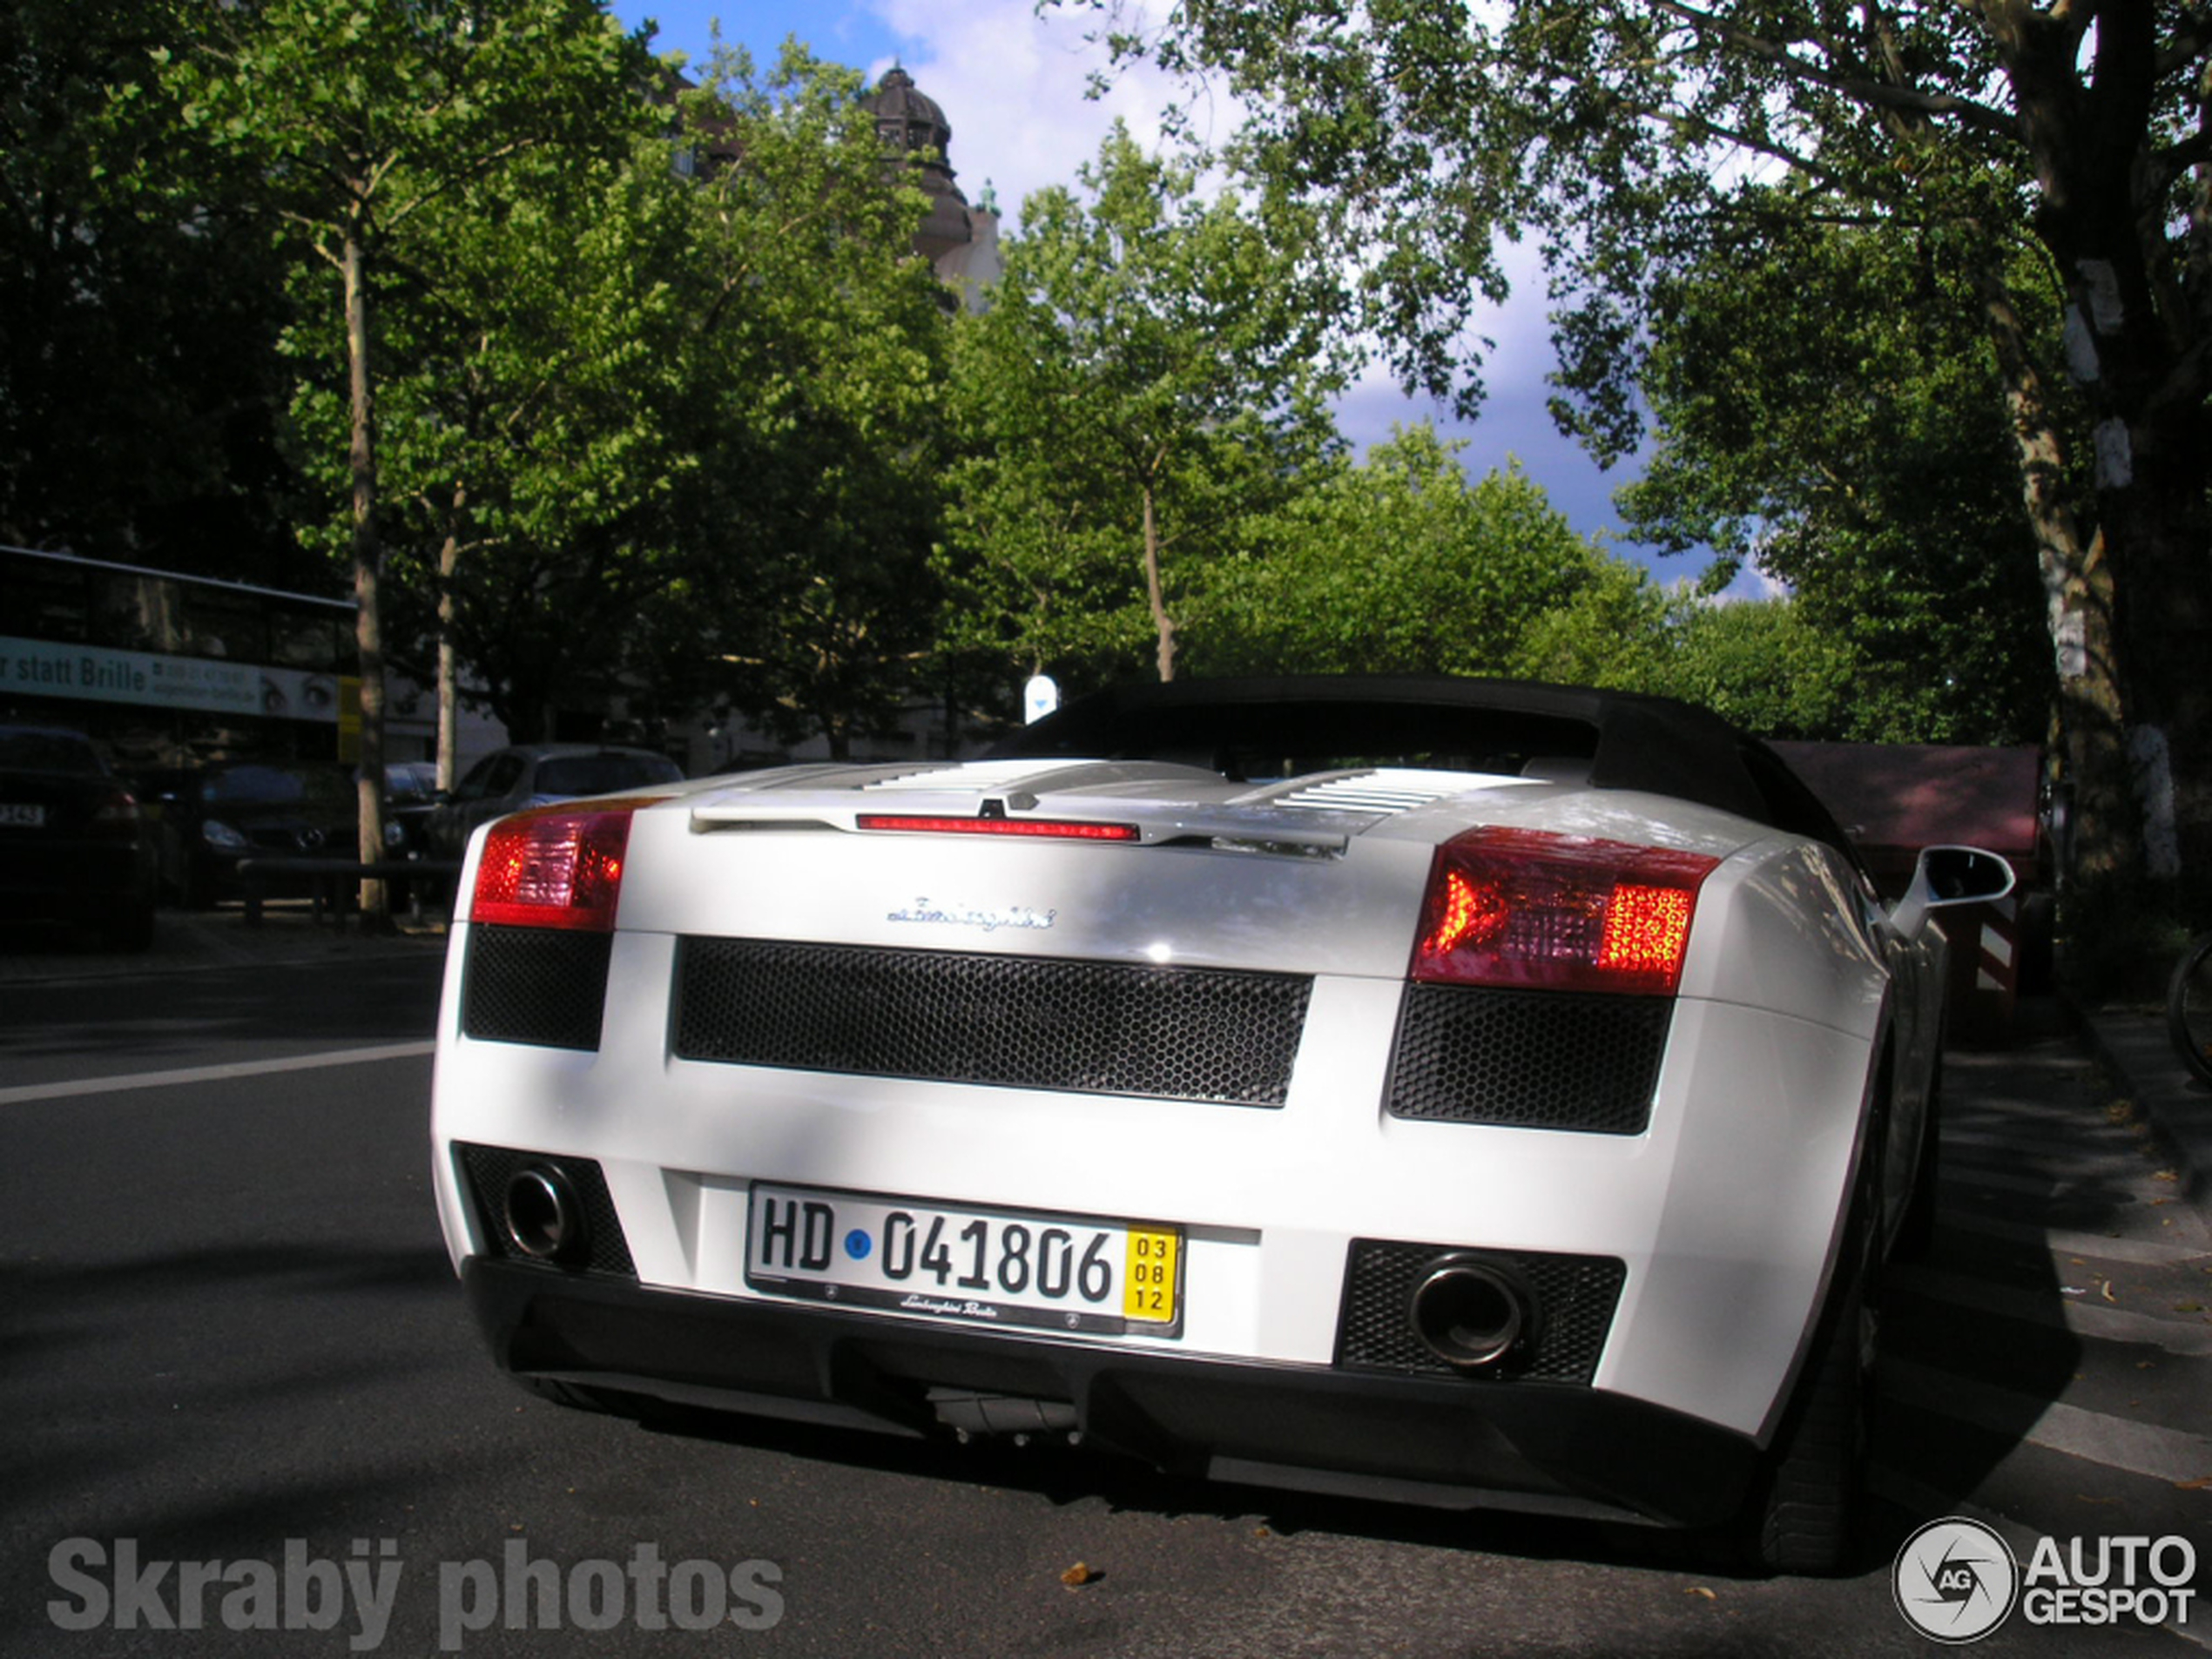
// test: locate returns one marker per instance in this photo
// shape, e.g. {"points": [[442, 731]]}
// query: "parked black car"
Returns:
{"points": [[220, 815], [410, 795], [73, 844], [534, 774]]}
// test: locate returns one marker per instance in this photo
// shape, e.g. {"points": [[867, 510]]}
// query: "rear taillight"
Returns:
{"points": [[1524, 907], [553, 868], [118, 815]]}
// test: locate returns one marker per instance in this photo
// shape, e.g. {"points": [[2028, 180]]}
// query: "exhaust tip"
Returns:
{"points": [[543, 1218], [1472, 1312]]}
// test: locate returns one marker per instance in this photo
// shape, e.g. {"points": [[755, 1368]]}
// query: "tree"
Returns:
{"points": [[818, 353], [1765, 663], [1825, 408], [1625, 136], [1398, 565], [537, 420], [1769, 666], [140, 383], [346, 120], [1146, 376]]}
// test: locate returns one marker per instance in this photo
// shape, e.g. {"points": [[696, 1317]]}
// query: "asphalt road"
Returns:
{"points": [[230, 1342]]}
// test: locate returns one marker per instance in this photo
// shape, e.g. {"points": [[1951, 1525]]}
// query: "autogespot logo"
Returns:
{"points": [[1955, 1580]]}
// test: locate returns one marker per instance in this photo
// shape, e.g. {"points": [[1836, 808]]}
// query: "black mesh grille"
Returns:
{"points": [[1528, 1059], [487, 1170], [1097, 1028], [539, 985], [1575, 1295]]}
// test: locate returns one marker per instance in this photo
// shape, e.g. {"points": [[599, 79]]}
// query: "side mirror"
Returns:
{"points": [[1951, 875]]}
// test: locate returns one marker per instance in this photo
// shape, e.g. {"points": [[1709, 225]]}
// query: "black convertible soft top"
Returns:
{"points": [[1279, 726]]}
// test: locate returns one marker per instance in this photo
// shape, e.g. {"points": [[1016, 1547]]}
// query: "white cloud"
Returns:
{"points": [[1013, 85]]}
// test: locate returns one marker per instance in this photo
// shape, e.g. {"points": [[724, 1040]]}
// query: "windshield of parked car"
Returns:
{"points": [[599, 774], [23, 751], [410, 782], [277, 786]]}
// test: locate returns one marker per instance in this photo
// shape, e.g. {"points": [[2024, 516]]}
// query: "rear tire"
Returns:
{"points": [[1814, 1482], [1817, 1469]]}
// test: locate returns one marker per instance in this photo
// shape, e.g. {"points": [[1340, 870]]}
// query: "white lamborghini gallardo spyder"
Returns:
{"points": [[1460, 1092]]}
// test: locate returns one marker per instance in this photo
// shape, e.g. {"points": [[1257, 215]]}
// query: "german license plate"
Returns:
{"points": [[985, 1266], [22, 814]]}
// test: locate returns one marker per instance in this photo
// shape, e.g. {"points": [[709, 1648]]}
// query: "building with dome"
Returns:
{"points": [[960, 239]]}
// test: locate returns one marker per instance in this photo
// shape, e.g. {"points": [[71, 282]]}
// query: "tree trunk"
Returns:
{"points": [[2160, 531], [1161, 621], [2136, 343], [2156, 529], [448, 668], [369, 625], [2077, 588]]}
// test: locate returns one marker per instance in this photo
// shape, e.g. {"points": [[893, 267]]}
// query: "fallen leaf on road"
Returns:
{"points": [[1699, 1590], [1078, 1575]]}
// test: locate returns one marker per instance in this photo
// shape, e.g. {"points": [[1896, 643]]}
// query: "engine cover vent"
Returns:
{"points": [[1094, 1027]]}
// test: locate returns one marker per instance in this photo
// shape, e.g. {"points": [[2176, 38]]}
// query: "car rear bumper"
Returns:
{"points": [[81, 882], [1452, 1442]]}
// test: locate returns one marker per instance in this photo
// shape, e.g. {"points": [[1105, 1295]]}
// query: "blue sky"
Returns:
{"points": [[849, 31], [1011, 84]]}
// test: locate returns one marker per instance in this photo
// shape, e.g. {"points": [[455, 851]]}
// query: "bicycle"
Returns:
{"points": [[2189, 1008]]}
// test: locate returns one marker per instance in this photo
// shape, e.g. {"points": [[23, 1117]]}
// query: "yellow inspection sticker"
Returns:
{"points": [[1149, 1274]]}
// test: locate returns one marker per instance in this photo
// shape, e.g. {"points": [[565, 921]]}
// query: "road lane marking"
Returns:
{"points": [[64, 1091], [2180, 1238], [2044, 1305], [2035, 1184], [2168, 1454], [2089, 1145]]}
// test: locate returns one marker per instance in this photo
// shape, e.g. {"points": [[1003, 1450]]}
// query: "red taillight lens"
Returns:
{"points": [[117, 816], [1522, 908], [1062, 828], [553, 868]]}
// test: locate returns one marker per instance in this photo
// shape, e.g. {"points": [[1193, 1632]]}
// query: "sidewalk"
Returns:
{"points": [[191, 941], [2133, 1045]]}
